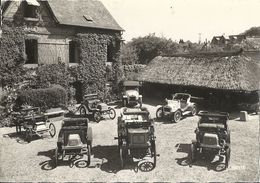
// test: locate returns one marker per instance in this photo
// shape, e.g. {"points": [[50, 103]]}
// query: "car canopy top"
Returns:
{"points": [[216, 117], [131, 83]]}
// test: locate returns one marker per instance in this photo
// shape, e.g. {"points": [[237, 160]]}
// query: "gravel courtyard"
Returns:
{"points": [[21, 161]]}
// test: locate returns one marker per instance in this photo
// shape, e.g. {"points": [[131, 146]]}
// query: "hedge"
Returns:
{"points": [[131, 71], [56, 96]]}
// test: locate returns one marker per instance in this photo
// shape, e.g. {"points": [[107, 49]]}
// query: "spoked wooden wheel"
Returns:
{"points": [[228, 151], [28, 135], [122, 157], [56, 156], [89, 155], [193, 151], [112, 113], [154, 155], [81, 163], [82, 111], [146, 166], [177, 116], [124, 102], [159, 113], [194, 110], [52, 130], [18, 129], [97, 116]]}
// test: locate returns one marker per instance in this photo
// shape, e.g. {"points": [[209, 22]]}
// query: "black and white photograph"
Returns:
{"points": [[129, 91]]}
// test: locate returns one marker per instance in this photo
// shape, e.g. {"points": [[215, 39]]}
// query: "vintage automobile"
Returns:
{"points": [[74, 142], [131, 96], [136, 138], [177, 107], [34, 123], [93, 107], [212, 137]]}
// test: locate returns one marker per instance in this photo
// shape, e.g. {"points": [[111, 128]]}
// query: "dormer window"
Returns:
{"points": [[30, 9], [88, 18]]}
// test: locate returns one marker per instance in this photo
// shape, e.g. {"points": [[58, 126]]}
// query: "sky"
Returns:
{"points": [[184, 19]]}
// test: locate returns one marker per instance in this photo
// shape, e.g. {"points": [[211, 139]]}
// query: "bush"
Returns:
{"points": [[55, 96], [131, 71]]}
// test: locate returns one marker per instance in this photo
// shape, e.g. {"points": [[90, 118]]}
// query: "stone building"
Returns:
{"points": [[76, 32]]}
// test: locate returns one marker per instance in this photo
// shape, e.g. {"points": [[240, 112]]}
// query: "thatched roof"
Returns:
{"points": [[222, 72]]}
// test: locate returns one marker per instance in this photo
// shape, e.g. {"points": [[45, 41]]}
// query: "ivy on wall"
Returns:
{"points": [[91, 72], [12, 55]]}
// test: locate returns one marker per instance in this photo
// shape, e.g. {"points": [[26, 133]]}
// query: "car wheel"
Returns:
{"points": [[90, 136], [97, 116], [228, 151], [194, 110], [193, 151], [112, 113], [124, 102], [154, 155], [177, 116], [146, 166], [56, 158], [28, 135], [159, 113], [52, 130], [89, 155], [82, 111], [122, 157], [140, 102]]}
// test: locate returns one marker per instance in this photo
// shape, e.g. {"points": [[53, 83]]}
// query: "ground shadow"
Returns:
{"points": [[204, 160], [20, 137], [111, 159], [48, 164], [153, 102]]}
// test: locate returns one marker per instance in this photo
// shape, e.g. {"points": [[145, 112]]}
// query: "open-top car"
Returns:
{"points": [[34, 122], [93, 107], [177, 107], [136, 138], [74, 142], [212, 137], [131, 96]]}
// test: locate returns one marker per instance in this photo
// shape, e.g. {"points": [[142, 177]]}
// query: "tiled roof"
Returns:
{"points": [[84, 13]]}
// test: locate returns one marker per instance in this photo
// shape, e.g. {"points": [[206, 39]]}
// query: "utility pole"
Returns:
{"points": [[199, 37], [0, 18]]}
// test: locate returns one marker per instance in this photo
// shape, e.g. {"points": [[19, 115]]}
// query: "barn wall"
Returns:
{"points": [[208, 99]]}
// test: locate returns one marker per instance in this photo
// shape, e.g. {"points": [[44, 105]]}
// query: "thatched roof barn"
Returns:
{"points": [[239, 73]]}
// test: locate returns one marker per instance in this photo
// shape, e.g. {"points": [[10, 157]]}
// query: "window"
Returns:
{"points": [[30, 11], [73, 52], [109, 54], [31, 50]]}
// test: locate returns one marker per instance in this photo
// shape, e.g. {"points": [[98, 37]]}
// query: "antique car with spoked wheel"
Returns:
{"points": [[93, 107], [212, 138], [177, 107], [136, 139], [74, 142], [131, 96], [34, 123]]}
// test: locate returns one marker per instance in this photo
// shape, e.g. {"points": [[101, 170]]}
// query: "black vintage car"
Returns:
{"points": [[34, 123], [136, 138], [212, 137], [74, 142], [91, 106], [131, 95]]}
